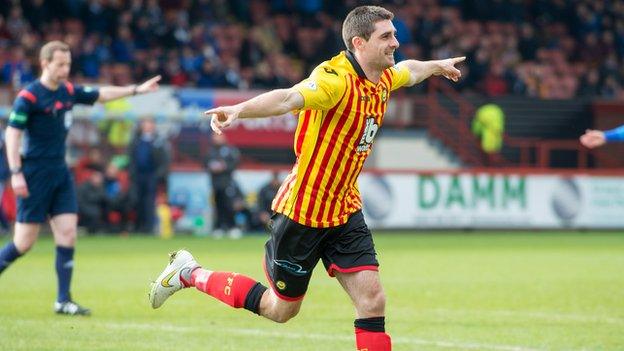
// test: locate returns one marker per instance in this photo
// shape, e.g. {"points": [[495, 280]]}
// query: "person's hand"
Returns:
{"points": [[593, 138], [18, 182], [149, 85], [222, 117], [447, 68]]}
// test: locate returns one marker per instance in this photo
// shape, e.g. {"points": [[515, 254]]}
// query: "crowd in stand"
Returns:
{"points": [[540, 48]]}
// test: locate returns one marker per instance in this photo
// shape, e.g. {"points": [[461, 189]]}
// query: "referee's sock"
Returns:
{"points": [[8, 254], [64, 269], [370, 334], [231, 288]]}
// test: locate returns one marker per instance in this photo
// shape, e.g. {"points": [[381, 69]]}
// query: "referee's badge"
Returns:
{"points": [[311, 85]]}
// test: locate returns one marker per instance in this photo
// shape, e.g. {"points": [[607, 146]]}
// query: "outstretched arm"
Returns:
{"points": [[595, 138], [109, 93], [421, 70], [274, 103]]}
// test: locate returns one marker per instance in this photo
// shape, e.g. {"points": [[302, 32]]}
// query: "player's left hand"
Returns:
{"points": [[149, 85], [593, 138], [222, 117], [447, 68]]}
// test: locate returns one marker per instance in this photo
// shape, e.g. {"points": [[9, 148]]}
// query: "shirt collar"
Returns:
{"points": [[356, 66]]}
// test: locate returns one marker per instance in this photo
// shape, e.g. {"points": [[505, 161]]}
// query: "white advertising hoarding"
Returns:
{"points": [[472, 200], [462, 200]]}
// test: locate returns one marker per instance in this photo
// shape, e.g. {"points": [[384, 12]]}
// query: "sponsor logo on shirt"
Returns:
{"points": [[368, 135]]}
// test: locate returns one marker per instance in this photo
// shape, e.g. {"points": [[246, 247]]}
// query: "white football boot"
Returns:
{"points": [[181, 263]]}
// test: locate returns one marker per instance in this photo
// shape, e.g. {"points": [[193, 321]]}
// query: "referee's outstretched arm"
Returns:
{"points": [[109, 93]]}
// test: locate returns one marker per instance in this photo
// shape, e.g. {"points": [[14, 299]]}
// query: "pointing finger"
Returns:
{"points": [[458, 59], [212, 111], [153, 80]]}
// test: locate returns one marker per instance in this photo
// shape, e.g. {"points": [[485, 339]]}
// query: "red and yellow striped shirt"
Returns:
{"points": [[341, 115]]}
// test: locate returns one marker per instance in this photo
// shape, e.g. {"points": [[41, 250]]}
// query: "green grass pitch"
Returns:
{"points": [[446, 291]]}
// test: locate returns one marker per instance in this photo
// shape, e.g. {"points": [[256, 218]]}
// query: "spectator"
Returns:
{"points": [[221, 162], [489, 126], [92, 203], [265, 199], [117, 204], [93, 160], [17, 71], [148, 167]]}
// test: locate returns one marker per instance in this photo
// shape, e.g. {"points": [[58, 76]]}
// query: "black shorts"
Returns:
{"points": [[51, 188], [293, 250]]}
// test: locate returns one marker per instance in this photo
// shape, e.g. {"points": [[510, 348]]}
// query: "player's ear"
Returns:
{"points": [[358, 42]]}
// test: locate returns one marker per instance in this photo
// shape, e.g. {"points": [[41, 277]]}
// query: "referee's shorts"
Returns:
{"points": [[51, 191]]}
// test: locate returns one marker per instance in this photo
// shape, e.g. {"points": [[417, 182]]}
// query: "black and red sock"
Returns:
{"points": [[370, 334]]}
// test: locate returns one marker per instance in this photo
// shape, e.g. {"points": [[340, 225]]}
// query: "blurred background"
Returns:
{"points": [[499, 149]]}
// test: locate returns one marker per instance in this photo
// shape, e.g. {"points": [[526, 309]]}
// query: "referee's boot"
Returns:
{"points": [[176, 276], [70, 308]]}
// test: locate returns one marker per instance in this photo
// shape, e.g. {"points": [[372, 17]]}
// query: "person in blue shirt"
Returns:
{"points": [[148, 167], [595, 138], [40, 178]]}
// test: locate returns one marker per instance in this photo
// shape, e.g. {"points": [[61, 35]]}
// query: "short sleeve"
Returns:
{"points": [[322, 90], [400, 76], [86, 95], [22, 107]]}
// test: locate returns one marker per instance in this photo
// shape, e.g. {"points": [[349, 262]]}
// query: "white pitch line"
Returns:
{"points": [[289, 335]]}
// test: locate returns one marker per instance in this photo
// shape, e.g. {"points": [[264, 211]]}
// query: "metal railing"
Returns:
{"points": [[452, 128]]}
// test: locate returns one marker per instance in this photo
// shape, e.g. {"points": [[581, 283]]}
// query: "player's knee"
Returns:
{"points": [[374, 303], [67, 237], [282, 313], [278, 310], [24, 246], [285, 316], [71, 242], [67, 241], [378, 301]]}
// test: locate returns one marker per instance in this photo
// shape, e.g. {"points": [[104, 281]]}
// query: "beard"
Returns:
{"points": [[384, 62]]}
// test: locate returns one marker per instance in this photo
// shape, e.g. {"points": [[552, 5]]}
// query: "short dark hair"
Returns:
{"points": [[48, 50], [360, 22]]}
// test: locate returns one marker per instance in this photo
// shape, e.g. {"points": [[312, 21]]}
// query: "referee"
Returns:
{"points": [[40, 178]]}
